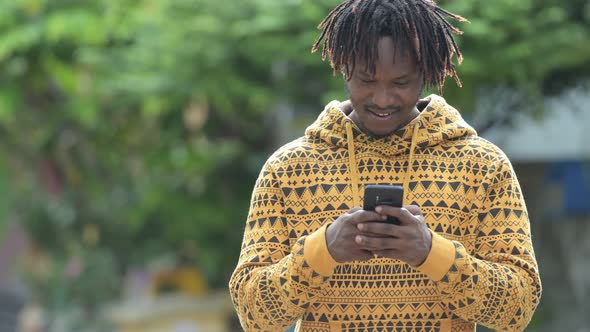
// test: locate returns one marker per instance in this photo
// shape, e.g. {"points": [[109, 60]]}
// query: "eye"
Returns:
{"points": [[367, 80], [402, 83]]}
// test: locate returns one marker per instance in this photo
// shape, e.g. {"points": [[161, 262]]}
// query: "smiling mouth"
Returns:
{"points": [[383, 115]]}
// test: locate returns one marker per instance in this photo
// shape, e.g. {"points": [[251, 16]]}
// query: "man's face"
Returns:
{"points": [[387, 100]]}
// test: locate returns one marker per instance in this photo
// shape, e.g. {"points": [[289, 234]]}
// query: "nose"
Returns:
{"points": [[383, 97]]}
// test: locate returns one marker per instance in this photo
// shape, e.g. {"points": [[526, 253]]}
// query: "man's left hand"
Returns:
{"points": [[410, 241]]}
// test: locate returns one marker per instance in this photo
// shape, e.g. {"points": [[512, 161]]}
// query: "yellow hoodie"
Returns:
{"points": [[481, 268]]}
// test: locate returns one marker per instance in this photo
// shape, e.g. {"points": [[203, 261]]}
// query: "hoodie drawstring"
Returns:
{"points": [[352, 166], [406, 184]]}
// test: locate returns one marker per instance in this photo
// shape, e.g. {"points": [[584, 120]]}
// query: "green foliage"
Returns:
{"points": [[149, 120], [534, 47], [113, 118]]}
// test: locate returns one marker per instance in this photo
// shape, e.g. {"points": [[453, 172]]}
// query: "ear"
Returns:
{"points": [[422, 81], [346, 71], [344, 76]]}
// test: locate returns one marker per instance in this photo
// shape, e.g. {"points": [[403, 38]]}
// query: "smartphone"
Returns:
{"points": [[383, 194]]}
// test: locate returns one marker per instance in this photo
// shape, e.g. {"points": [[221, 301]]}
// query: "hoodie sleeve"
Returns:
{"points": [[274, 283], [497, 285]]}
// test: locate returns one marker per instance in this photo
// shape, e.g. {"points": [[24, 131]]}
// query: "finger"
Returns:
{"points": [[388, 210], [391, 211], [375, 243], [379, 228], [407, 217], [390, 253], [360, 216], [414, 209], [402, 214]]}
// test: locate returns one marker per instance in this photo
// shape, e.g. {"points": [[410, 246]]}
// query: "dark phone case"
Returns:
{"points": [[379, 194]]}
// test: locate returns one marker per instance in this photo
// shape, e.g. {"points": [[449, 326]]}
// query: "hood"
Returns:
{"points": [[437, 122]]}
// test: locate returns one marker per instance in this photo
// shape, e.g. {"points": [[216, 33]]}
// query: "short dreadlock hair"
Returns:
{"points": [[351, 32]]}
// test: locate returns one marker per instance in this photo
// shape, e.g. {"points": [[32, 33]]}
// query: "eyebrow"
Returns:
{"points": [[365, 74]]}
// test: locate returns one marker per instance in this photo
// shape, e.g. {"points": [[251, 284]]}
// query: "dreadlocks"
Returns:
{"points": [[351, 32]]}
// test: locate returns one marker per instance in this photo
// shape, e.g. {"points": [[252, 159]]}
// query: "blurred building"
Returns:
{"points": [[551, 156]]}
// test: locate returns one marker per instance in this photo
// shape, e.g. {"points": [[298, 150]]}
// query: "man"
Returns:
{"points": [[462, 254]]}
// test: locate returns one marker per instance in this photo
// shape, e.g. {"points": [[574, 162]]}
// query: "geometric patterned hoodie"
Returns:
{"points": [[481, 268]]}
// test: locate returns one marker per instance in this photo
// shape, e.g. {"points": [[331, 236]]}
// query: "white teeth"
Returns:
{"points": [[383, 115]]}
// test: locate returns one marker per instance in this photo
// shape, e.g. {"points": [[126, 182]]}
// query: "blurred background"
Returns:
{"points": [[132, 131]]}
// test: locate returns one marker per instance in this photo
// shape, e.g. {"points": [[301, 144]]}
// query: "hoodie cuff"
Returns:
{"points": [[316, 254], [440, 258]]}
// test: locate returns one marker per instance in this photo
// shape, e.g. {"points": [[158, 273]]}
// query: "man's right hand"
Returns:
{"points": [[340, 235]]}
